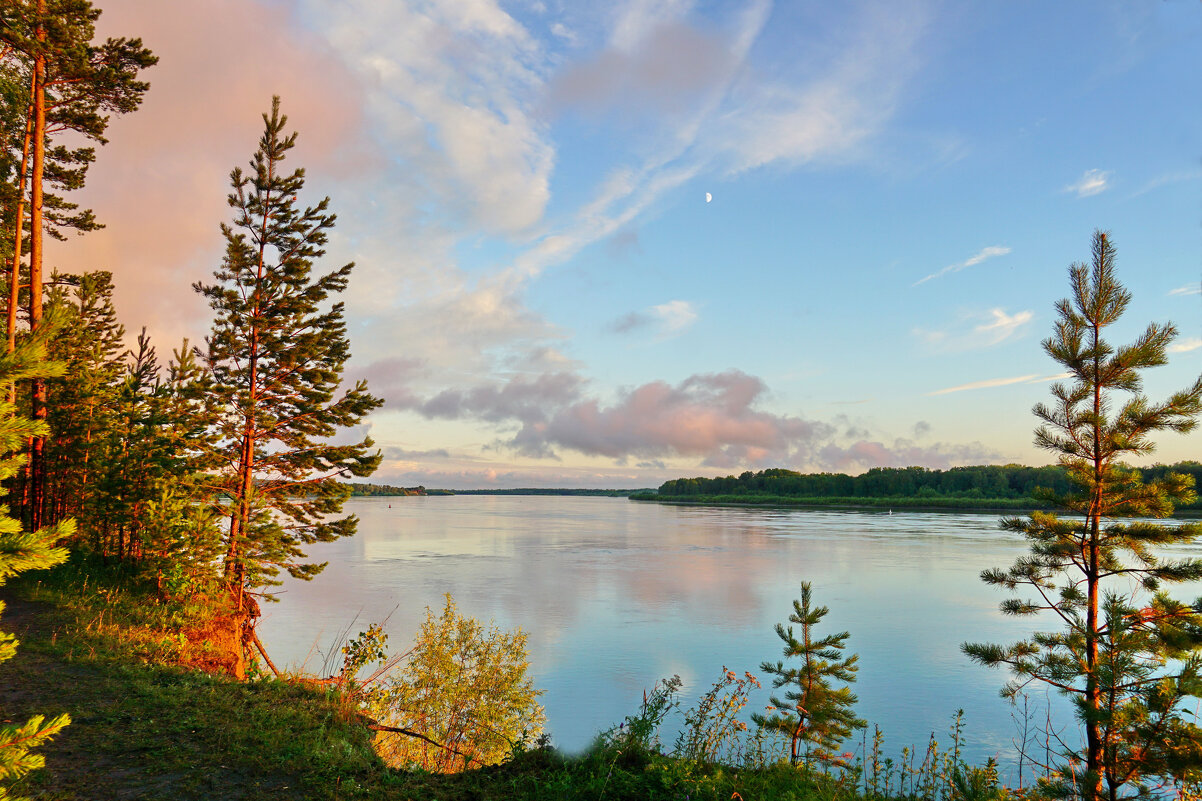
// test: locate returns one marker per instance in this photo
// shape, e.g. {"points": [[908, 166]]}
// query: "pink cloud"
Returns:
{"points": [[713, 417], [160, 184], [863, 454], [710, 416]]}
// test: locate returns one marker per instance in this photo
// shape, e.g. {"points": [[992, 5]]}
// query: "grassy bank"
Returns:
{"points": [[149, 723]]}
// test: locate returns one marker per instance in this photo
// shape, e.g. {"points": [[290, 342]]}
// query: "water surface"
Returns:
{"points": [[617, 594]]}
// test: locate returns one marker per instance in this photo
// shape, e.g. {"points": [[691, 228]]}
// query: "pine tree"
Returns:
{"points": [[1127, 667], [14, 96], [22, 550], [74, 86], [82, 404], [276, 355], [816, 714], [175, 526]]}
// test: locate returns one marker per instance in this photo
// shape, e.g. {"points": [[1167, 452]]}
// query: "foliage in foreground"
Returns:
{"points": [[186, 735], [21, 551], [1128, 665], [460, 697]]}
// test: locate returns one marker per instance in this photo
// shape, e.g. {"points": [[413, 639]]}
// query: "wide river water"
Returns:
{"points": [[616, 594]]}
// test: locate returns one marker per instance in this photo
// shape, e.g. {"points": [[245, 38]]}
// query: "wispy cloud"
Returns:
{"points": [[1185, 346], [443, 141], [1167, 179], [1093, 182], [972, 261], [676, 315], [717, 115], [669, 319], [1003, 325], [1194, 288], [989, 383], [976, 330]]}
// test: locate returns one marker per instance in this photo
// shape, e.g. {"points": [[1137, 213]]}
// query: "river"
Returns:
{"points": [[616, 594]]}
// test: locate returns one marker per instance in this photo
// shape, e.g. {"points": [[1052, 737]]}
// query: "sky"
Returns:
{"points": [[610, 244]]}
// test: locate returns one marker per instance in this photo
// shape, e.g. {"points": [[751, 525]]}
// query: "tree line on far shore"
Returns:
{"points": [[984, 482]]}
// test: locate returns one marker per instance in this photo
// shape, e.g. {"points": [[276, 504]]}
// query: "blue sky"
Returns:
{"points": [[543, 294]]}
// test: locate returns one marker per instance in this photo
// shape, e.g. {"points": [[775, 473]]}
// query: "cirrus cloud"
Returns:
{"points": [[1185, 346], [972, 261], [996, 327], [1093, 182], [989, 383]]}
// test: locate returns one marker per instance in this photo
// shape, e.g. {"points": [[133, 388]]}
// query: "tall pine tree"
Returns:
{"points": [[1127, 666], [276, 356], [75, 85]]}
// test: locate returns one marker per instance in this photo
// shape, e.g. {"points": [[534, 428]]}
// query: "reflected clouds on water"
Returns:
{"points": [[616, 594]]}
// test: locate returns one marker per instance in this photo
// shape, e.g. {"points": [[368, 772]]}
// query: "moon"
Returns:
{"points": [[708, 197]]}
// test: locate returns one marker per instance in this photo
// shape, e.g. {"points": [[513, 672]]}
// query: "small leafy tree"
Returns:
{"points": [[24, 550], [463, 698], [1128, 666], [816, 713]]}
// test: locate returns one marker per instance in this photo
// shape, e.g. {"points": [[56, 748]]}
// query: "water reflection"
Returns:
{"points": [[616, 595]]}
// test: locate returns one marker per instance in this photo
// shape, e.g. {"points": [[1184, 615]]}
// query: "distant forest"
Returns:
{"points": [[361, 490], [1009, 483], [608, 493]]}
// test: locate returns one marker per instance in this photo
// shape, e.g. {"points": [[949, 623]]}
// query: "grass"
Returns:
{"points": [[103, 646]]}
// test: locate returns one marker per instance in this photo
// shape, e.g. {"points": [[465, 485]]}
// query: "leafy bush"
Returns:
{"points": [[462, 697]]}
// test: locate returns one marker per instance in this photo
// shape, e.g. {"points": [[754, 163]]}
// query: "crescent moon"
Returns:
{"points": [[708, 197]]}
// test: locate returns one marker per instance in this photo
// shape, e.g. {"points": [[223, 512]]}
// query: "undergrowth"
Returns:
{"points": [[115, 613], [110, 652]]}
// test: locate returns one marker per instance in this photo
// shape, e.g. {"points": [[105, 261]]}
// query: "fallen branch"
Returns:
{"points": [[410, 733], [259, 644]]}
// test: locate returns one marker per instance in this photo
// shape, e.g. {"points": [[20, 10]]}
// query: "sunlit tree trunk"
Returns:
{"points": [[37, 464], [14, 272]]}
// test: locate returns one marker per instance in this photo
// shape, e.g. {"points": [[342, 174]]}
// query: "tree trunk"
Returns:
{"points": [[14, 272], [1093, 740], [246, 463], [37, 465]]}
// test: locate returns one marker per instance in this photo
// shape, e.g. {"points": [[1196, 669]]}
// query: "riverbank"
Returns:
{"points": [[145, 725]]}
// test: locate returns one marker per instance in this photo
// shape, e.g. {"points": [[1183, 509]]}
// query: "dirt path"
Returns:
{"points": [[131, 736]]}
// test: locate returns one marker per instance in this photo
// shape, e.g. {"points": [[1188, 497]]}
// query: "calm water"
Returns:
{"points": [[616, 594]]}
